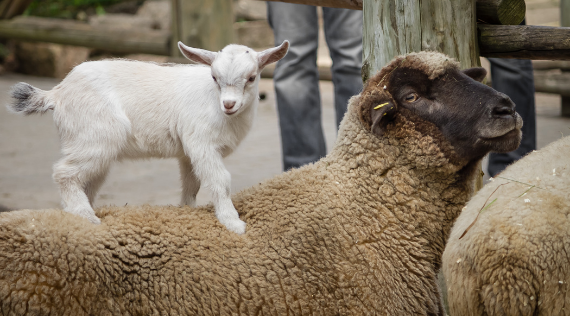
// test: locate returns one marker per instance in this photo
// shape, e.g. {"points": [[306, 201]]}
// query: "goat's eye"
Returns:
{"points": [[251, 79], [411, 97]]}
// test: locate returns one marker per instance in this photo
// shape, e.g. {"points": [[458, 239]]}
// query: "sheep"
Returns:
{"points": [[360, 232], [115, 109], [514, 257]]}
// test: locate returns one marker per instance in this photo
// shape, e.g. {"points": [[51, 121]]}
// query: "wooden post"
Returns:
{"points": [[345, 4], [206, 24], [565, 21], [393, 28], [12, 8]]}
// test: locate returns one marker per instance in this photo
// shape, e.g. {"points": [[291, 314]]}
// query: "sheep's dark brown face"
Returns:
{"points": [[473, 117]]}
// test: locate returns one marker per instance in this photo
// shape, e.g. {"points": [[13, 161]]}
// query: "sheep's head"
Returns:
{"points": [[474, 118], [235, 70]]}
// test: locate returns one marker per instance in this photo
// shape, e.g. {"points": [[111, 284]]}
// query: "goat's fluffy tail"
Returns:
{"points": [[28, 99]]}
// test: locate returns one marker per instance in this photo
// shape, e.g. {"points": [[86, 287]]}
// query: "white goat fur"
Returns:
{"points": [[114, 109]]}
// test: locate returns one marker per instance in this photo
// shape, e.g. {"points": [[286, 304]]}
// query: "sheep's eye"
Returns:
{"points": [[411, 97], [215, 80], [251, 79]]}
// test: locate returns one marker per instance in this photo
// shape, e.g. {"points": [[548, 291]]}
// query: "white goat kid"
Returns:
{"points": [[114, 109]]}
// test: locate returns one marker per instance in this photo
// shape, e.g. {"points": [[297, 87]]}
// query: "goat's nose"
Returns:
{"points": [[229, 104]]}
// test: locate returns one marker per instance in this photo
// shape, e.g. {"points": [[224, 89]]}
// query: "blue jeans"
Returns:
{"points": [[514, 77], [296, 76]]}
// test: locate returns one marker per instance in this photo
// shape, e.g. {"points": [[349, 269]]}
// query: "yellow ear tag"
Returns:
{"points": [[379, 106]]}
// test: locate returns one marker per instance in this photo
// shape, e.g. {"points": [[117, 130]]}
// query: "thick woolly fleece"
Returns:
{"points": [[515, 259], [360, 232]]}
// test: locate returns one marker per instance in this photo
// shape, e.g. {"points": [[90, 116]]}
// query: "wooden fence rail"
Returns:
{"points": [[76, 33], [506, 41], [524, 41], [505, 12], [344, 4]]}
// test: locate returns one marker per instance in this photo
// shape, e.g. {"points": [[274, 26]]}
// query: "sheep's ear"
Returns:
{"points": [[381, 113], [477, 73], [272, 55], [197, 55]]}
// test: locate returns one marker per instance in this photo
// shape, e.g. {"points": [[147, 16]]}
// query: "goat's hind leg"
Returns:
{"points": [[190, 183], [73, 178]]}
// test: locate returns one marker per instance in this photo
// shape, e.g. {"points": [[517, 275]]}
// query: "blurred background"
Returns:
{"points": [[41, 41]]}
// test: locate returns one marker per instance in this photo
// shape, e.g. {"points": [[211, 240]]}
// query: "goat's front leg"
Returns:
{"points": [[209, 168], [190, 183]]}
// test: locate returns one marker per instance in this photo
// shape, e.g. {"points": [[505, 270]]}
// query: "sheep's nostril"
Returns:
{"points": [[503, 111], [229, 104]]}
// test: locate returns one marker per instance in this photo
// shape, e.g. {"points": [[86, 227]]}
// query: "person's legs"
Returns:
{"points": [[514, 77], [343, 32], [296, 83]]}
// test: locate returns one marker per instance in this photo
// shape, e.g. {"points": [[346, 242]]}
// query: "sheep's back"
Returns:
{"points": [[148, 259], [514, 257], [139, 260]]}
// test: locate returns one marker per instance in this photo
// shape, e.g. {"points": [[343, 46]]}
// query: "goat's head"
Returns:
{"points": [[235, 70], [474, 118]]}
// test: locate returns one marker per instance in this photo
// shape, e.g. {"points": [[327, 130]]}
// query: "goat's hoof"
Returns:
{"points": [[95, 220], [237, 226], [88, 215]]}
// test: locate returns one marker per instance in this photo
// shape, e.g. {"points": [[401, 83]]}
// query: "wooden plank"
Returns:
{"points": [[505, 12], [4, 6], [14, 8], [345, 4], [175, 32], [524, 41], [502, 12], [551, 64], [565, 21], [76, 33], [565, 13], [552, 82], [207, 24], [255, 34]]}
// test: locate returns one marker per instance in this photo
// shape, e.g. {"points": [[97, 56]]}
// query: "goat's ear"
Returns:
{"points": [[197, 55], [272, 55], [381, 113], [477, 73]]}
